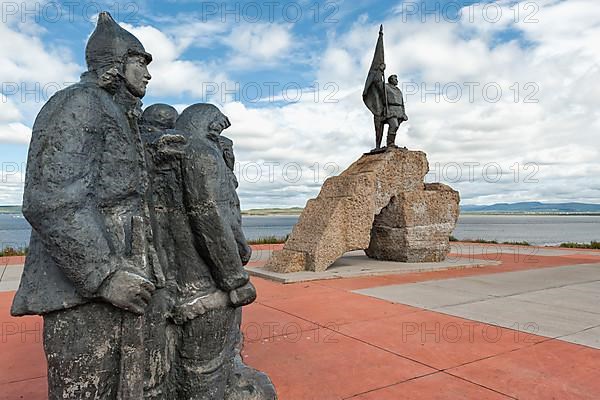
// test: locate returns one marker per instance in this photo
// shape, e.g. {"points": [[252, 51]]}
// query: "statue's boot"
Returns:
{"points": [[246, 383], [391, 140], [204, 356]]}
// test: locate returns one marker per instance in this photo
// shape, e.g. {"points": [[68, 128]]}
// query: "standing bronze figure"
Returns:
{"points": [[92, 270], [383, 99]]}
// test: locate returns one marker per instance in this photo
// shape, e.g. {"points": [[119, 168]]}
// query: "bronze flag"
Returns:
{"points": [[374, 95]]}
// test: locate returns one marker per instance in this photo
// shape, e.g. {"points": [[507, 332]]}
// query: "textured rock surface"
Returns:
{"points": [[341, 217], [415, 226]]}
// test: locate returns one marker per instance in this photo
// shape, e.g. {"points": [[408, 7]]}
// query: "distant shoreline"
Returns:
{"points": [[10, 209], [293, 211], [531, 213], [296, 211]]}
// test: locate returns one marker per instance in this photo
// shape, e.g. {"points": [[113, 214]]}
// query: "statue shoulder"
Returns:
{"points": [[73, 111], [394, 93], [393, 88], [76, 97]]}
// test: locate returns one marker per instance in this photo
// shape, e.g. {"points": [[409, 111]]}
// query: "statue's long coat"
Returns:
{"points": [[195, 223], [85, 180]]}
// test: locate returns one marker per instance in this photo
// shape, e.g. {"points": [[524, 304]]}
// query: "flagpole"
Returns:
{"points": [[383, 75]]}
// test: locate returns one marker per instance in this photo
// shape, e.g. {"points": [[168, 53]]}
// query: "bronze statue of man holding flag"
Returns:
{"points": [[383, 99]]}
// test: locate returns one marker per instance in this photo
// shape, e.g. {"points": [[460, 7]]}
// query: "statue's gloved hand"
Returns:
{"points": [[245, 252], [128, 291], [169, 146], [243, 295], [194, 307]]}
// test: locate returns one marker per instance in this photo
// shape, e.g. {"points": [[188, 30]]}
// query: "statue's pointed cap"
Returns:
{"points": [[110, 43]]}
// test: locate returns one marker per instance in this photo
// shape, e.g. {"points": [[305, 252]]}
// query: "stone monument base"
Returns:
{"points": [[415, 226], [379, 204]]}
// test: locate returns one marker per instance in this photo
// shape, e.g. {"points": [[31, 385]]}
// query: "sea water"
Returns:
{"points": [[535, 229]]}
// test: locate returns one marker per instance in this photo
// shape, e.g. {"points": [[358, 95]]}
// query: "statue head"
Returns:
{"points": [[202, 119], [393, 80], [115, 56], [228, 156], [160, 116]]}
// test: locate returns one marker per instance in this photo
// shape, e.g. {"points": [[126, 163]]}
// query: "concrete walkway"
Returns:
{"points": [[561, 302], [10, 276]]}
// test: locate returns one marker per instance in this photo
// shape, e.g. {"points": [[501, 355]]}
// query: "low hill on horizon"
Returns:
{"points": [[10, 209], [274, 211], [533, 207]]}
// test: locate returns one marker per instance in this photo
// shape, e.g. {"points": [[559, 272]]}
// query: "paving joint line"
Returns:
{"points": [[417, 310], [491, 273], [427, 375], [518, 331], [445, 370], [23, 380], [480, 385], [392, 384], [495, 297], [546, 339], [424, 308], [323, 282], [358, 340], [510, 272], [554, 306], [575, 333]]}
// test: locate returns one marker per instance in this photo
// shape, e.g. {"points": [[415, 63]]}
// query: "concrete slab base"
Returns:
{"points": [[10, 276], [356, 263]]}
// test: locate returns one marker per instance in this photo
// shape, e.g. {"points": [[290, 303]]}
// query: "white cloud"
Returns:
{"points": [[260, 44], [31, 71], [9, 111], [26, 58], [15, 132], [553, 142], [172, 75], [558, 66], [250, 45]]}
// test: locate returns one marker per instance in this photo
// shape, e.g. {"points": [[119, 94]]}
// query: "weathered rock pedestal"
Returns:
{"points": [[415, 226], [379, 203]]}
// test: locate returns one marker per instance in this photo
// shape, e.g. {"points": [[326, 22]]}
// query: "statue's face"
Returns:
{"points": [[394, 80], [166, 117], [220, 123], [136, 75]]}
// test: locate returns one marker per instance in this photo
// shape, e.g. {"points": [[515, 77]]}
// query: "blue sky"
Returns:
{"points": [[536, 140]]}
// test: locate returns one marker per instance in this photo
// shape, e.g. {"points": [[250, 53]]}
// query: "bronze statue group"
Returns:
{"points": [[136, 254]]}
